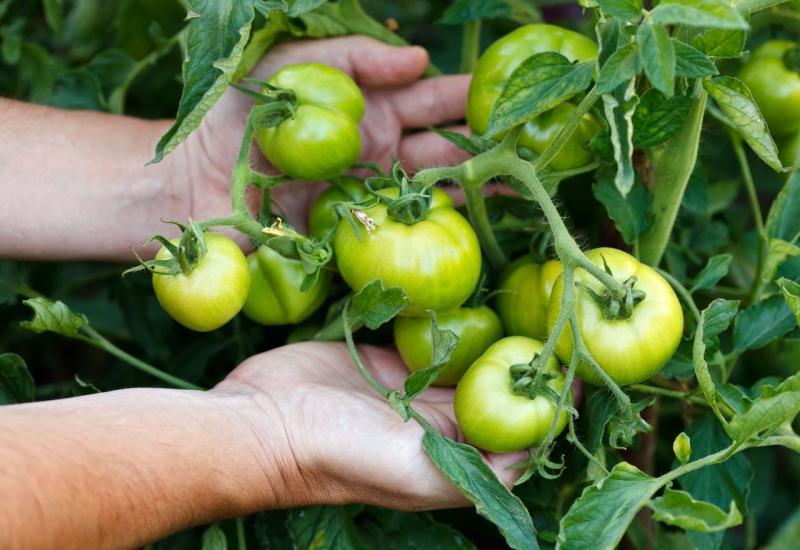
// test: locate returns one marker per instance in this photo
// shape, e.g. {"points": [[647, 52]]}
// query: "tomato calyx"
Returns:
{"points": [[530, 380], [412, 202], [184, 256], [313, 255], [617, 307], [274, 104]]}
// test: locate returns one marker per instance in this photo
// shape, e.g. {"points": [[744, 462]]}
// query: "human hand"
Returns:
{"points": [[339, 442], [396, 100]]}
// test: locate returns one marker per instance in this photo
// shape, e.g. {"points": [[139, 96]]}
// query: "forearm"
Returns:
{"points": [[74, 185], [127, 467]]}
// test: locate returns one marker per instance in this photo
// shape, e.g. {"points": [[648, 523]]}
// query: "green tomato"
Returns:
{"points": [[524, 294], [775, 87], [212, 293], [321, 141], [476, 328], [630, 350], [322, 217], [275, 297], [502, 58], [491, 415], [436, 261]]}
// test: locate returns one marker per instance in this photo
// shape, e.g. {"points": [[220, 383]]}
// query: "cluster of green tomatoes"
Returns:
{"points": [[504, 397]]}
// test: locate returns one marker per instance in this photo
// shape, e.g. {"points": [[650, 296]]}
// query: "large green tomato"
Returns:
{"points": [[524, 292], [502, 58], [630, 350], [775, 87], [436, 261], [488, 411], [476, 328], [321, 141], [212, 293], [322, 217], [275, 297]]}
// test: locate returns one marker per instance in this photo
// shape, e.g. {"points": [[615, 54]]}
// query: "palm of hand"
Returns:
{"points": [[361, 449]]}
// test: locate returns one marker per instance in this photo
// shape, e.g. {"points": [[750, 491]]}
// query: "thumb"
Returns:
{"points": [[369, 62]]}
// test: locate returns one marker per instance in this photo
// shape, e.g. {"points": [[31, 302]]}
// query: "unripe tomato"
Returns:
{"points": [[436, 261], [322, 217], [502, 58], [630, 350], [476, 328], [321, 141], [775, 87], [488, 411], [524, 294], [212, 293], [275, 297]]}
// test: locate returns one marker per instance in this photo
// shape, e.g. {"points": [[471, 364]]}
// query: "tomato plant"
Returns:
{"points": [[640, 146], [320, 139], [476, 327]]}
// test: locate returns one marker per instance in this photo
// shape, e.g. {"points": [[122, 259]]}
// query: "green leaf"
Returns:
{"points": [[718, 14], [714, 320], [764, 415], [214, 538], [657, 55], [679, 509], [468, 472], [619, 108], [761, 323], [791, 293], [737, 103], [622, 66], [601, 515], [375, 305], [81, 387], [462, 11], [691, 62], [54, 317], [540, 83], [53, 14], [716, 268], [720, 43], [325, 527], [215, 38], [787, 535], [474, 145], [631, 214], [657, 118], [777, 253], [444, 344], [16, 382], [783, 220], [393, 530], [627, 10]]}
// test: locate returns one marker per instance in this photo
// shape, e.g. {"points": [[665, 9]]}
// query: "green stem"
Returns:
{"points": [[348, 336], [682, 292], [476, 209], [470, 46], [579, 348], [719, 456], [240, 536], [96, 339], [655, 390], [566, 131]]}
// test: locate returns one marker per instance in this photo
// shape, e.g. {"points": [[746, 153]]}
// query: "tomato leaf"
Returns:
{"points": [[783, 220], [631, 214], [621, 66], [329, 527], [209, 63], [540, 83], [714, 320], [444, 343], [765, 415], [214, 538], [603, 512], [788, 534], [720, 43], [679, 509], [16, 382], [657, 118], [54, 317], [474, 145], [777, 253], [392, 530], [719, 14], [791, 293], [619, 107], [716, 268], [81, 387], [691, 62], [462, 11], [761, 323], [375, 305], [657, 55], [738, 105], [464, 466], [627, 10]]}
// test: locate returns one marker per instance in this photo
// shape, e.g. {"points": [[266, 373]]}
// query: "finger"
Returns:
{"points": [[431, 101], [369, 62], [427, 149], [500, 464]]}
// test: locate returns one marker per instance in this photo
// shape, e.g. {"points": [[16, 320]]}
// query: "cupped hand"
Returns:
{"points": [[397, 101], [342, 441]]}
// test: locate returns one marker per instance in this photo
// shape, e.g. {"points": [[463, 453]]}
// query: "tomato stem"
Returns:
{"points": [[566, 131], [470, 46]]}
